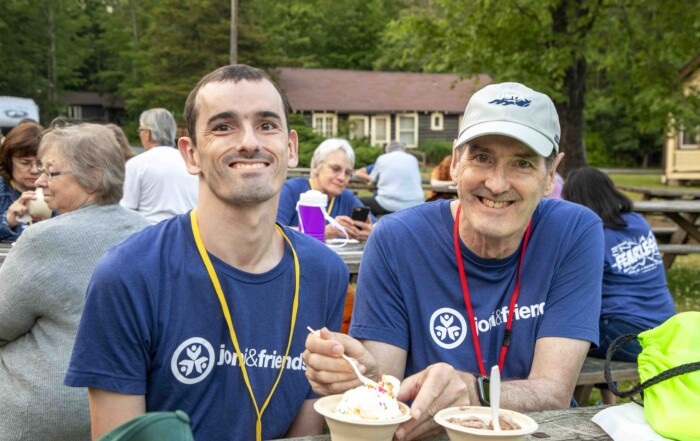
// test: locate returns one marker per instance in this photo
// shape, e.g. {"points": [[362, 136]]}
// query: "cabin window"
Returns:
{"points": [[407, 129], [381, 129], [325, 124], [437, 121]]}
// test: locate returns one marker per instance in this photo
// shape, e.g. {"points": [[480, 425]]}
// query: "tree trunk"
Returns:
{"points": [[571, 118], [52, 74], [567, 18]]}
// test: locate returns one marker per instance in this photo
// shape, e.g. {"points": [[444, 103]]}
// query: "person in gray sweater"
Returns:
{"points": [[45, 277]]}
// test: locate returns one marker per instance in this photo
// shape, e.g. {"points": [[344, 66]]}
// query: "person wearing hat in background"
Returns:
{"points": [[510, 278]]}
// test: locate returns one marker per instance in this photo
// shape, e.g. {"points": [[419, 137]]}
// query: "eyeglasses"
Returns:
{"points": [[50, 175], [143, 129], [336, 169]]}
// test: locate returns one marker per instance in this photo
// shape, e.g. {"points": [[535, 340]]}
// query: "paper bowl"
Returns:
{"points": [[459, 433], [345, 429]]}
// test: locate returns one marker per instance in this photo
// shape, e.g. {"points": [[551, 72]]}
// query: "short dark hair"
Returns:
{"points": [[22, 141], [235, 73], [592, 188]]}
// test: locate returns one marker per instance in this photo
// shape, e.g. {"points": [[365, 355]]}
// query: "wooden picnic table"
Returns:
{"points": [[649, 193], [5, 248], [451, 189], [572, 424], [685, 214], [351, 254]]}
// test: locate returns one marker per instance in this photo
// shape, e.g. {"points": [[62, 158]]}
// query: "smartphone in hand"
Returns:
{"points": [[360, 214]]}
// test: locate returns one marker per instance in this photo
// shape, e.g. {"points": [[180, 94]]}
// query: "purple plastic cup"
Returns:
{"points": [[311, 219]]}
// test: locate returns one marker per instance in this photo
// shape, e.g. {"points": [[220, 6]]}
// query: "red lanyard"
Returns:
{"points": [[468, 303]]}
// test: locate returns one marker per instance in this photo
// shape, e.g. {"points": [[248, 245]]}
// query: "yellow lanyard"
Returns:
{"points": [[227, 315], [330, 207]]}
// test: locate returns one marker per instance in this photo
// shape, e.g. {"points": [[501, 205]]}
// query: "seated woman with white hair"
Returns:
{"points": [[331, 169], [45, 277]]}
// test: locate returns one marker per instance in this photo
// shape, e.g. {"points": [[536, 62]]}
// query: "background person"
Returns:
{"points": [[635, 293], [441, 176], [512, 256], [331, 169], [364, 174], [123, 141], [44, 280], [18, 172], [558, 186], [157, 183], [398, 180], [155, 335]]}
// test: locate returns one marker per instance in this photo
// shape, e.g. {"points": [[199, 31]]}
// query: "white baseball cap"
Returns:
{"points": [[513, 110]]}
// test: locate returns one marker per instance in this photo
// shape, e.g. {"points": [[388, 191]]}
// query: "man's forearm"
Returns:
{"points": [[533, 395]]}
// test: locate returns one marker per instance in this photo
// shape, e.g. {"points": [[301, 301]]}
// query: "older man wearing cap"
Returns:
{"points": [[501, 276]]}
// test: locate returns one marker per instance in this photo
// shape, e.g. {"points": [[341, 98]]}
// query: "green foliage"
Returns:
{"points": [[435, 149], [628, 55], [365, 153], [309, 140]]}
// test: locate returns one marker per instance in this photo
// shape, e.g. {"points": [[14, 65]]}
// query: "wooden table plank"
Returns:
{"points": [[351, 254], [554, 425], [662, 193]]}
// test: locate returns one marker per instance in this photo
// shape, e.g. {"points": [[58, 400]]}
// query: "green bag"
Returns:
{"points": [[153, 426], [669, 372]]}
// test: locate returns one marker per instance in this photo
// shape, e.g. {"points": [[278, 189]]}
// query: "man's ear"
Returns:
{"points": [[551, 180], [293, 147], [189, 154], [454, 165]]}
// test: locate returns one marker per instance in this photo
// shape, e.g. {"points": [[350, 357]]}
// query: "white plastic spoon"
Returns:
{"points": [[495, 396], [362, 378]]}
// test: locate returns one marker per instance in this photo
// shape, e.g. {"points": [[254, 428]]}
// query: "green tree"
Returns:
{"points": [[44, 45], [627, 51]]}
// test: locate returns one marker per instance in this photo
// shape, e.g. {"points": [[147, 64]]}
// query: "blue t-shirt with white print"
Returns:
{"points": [[409, 293], [634, 278], [153, 325]]}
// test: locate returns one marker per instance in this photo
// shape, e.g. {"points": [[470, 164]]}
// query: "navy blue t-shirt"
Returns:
{"points": [[153, 325], [409, 293], [634, 279]]}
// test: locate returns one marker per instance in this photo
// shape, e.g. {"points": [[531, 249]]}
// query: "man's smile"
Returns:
{"points": [[494, 204]]}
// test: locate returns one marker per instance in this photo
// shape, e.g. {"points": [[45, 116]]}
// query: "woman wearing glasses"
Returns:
{"points": [[331, 169], [18, 171], [45, 277]]}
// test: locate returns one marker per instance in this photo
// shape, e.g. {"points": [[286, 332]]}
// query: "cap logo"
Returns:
{"points": [[511, 100]]}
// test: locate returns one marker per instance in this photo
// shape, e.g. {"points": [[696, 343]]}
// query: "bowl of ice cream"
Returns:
{"points": [[473, 423], [366, 413]]}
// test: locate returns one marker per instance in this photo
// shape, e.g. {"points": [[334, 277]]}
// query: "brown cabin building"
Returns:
{"points": [[382, 106], [681, 153]]}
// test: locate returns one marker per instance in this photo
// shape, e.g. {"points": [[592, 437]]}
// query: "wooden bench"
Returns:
{"points": [[592, 373], [664, 234], [680, 248]]}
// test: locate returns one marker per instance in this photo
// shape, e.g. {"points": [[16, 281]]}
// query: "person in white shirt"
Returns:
{"points": [[157, 183], [398, 181]]}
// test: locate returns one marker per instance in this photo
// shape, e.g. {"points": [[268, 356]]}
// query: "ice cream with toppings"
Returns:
{"points": [[369, 402]]}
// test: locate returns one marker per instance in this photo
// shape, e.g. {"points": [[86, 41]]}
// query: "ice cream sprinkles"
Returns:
{"points": [[369, 402]]}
